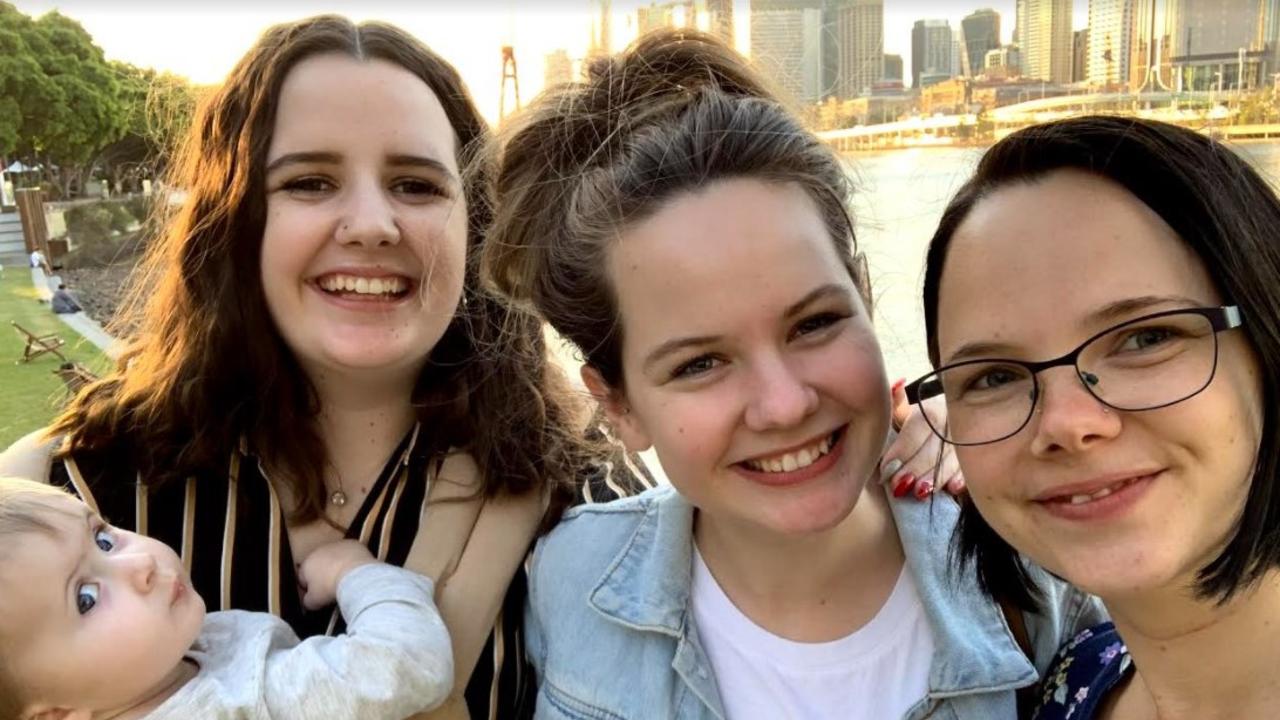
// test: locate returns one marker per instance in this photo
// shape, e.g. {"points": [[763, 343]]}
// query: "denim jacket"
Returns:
{"points": [[611, 634]]}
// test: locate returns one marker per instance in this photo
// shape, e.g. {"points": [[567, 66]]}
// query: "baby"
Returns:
{"points": [[96, 622]]}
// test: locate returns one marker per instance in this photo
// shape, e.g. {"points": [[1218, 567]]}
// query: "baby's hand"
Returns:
{"points": [[325, 567]]}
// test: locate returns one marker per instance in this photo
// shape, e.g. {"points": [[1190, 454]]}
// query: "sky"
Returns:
{"points": [[203, 40]]}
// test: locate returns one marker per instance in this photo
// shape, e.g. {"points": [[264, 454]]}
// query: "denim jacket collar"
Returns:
{"points": [[647, 587], [974, 650]]}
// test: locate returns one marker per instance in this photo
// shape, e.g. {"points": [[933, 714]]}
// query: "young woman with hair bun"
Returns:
{"points": [[678, 225]]}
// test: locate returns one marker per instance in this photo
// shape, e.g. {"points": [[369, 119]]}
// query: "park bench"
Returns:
{"points": [[38, 345]]}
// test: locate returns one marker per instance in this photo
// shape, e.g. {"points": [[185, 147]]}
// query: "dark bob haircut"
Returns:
{"points": [[1229, 216]]}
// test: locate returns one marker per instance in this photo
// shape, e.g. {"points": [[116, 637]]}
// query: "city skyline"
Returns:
{"points": [[469, 36]]}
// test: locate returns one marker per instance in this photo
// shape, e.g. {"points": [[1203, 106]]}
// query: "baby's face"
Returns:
{"points": [[93, 617]]}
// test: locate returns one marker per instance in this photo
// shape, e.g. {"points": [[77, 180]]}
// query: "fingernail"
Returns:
{"points": [[897, 384], [889, 469], [902, 485], [924, 489]]}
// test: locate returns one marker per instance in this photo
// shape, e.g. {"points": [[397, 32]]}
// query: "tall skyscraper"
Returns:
{"points": [[1044, 39], [1222, 44], [1110, 39], [981, 30], [557, 68], [720, 20], [657, 15], [1151, 45], [893, 68], [601, 36], [857, 30], [786, 42], [930, 52], [1080, 55]]}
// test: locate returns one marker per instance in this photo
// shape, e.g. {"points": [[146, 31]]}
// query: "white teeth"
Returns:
{"points": [[362, 285], [1084, 498], [793, 460]]}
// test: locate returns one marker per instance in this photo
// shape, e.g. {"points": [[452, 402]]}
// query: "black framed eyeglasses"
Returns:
{"points": [[1143, 364]]}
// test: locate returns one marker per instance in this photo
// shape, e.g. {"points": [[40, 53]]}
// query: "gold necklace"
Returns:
{"points": [[338, 497]]}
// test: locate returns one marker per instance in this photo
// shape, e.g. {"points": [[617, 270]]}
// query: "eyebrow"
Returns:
{"points": [[75, 566], [677, 344], [396, 160], [1111, 312]]}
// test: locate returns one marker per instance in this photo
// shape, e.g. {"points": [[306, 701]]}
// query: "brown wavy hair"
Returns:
{"points": [[675, 112], [207, 366]]}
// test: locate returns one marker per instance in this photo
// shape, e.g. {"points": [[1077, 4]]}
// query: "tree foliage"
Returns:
{"points": [[67, 109]]}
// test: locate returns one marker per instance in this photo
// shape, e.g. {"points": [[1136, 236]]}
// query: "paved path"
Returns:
{"points": [[81, 323]]}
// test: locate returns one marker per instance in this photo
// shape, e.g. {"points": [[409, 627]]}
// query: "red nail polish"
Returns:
{"points": [[923, 490], [897, 385], [903, 486]]}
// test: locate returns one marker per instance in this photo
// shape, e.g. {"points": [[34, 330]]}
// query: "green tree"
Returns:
{"points": [[66, 94], [158, 109]]}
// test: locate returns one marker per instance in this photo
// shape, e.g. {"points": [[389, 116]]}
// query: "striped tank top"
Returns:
{"points": [[229, 529]]}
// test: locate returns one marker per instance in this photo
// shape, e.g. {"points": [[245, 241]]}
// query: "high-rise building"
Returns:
{"points": [[786, 42], [1044, 39], [981, 30], [601, 36], [931, 50], [720, 20], [657, 15], [1222, 44], [557, 68], [1110, 38], [893, 68], [1151, 44], [1002, 63], [856, 28], [1080, 55]]}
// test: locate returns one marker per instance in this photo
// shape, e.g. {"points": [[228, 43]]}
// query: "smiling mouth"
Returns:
{"points": [[1086, 498], [794, 459], [356, 287]]}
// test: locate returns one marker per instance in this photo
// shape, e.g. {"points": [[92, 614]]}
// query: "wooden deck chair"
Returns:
{"points": [[38, 345], [75, 376]]}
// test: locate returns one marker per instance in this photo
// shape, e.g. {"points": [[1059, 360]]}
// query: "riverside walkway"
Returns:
{"points": [[88, 328]]}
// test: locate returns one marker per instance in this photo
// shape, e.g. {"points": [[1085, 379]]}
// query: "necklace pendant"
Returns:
{"points": [[338, 498]]}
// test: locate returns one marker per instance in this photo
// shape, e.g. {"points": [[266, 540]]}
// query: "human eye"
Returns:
{"points": [[104, 539], [86, 597], [1146, 338], [983, 380], [417, 187], [817, 322], [307, 185], [700, 365]]}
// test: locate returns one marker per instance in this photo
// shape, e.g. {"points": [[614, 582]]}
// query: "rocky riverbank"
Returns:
{"points": [[100, 290]]}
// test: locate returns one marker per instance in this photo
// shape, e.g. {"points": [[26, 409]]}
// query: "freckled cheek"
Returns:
{"points": [[697, 433]]}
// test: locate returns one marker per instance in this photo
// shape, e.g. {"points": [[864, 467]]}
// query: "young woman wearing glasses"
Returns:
{"points": [[1102, 307]]}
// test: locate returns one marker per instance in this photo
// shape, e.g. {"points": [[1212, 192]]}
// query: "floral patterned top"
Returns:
{"points": [[1084, 671]]}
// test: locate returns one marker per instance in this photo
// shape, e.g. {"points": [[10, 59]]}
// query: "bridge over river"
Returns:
{"points": [[1199, 110]]}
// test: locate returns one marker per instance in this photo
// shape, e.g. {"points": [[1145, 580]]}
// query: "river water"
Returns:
{"points": [[899, 198]]}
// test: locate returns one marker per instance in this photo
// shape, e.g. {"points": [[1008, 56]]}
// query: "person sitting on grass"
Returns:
{"points": [[63, 302], [100, 622]]}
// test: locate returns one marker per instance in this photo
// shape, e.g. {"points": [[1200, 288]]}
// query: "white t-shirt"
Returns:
{"points": [[877, 672]]}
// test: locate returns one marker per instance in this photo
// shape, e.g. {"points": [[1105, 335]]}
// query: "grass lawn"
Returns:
{"points": [[30, 393]]}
